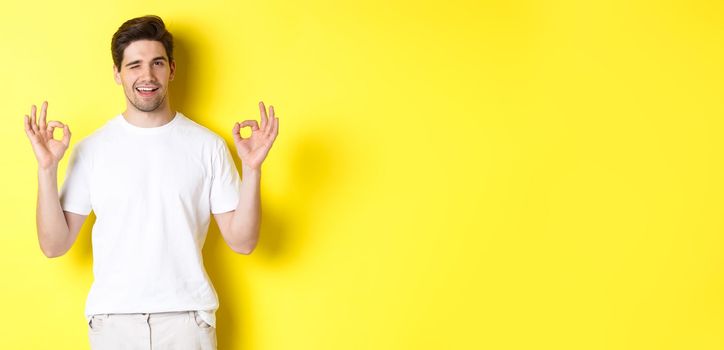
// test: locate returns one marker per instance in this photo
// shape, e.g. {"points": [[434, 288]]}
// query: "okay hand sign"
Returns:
{"points": [[48, 151], [253, 150]]}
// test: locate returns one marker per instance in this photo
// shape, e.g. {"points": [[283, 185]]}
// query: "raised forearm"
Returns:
{"points": [[53, 232], [244, 226]]}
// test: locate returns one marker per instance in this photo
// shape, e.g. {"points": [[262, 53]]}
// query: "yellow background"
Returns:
{"points": [[447, 175]]}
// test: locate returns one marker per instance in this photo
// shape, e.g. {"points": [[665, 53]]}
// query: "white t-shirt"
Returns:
{"points": [[152, 190]]}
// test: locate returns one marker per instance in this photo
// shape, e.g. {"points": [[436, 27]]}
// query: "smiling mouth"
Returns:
{"points": [[146, 91]]}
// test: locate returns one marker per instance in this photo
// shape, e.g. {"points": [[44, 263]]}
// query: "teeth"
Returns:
{"points": [[146, 89]]}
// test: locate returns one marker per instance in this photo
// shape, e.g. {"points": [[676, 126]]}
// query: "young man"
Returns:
{"points": [[152, 176]]}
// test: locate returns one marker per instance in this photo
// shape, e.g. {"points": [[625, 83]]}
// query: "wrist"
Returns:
{"points": [[51, 170], [247, 171]]}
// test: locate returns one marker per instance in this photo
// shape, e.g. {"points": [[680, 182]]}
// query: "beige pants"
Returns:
{"points": [[184, 330]]}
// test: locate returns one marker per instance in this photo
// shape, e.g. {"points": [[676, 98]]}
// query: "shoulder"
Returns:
{"points": [[88, 143], [199, 133]]}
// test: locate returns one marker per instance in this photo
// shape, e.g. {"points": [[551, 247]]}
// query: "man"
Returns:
{"points": [[152, 176]]}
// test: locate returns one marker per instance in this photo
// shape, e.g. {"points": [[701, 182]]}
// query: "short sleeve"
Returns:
{"points": [[75, 193], [225, 181]]}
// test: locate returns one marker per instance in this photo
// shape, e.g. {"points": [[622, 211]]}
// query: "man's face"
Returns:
{"points": [[145, 74]]}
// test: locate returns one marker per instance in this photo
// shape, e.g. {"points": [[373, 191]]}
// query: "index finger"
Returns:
{"points": [[55, 124]]}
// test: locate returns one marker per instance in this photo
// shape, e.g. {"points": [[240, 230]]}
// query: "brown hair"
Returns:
{"points": [[141, 28]]}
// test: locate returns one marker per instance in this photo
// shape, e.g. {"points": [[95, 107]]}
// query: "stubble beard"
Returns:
{"points": [[146, 105]]}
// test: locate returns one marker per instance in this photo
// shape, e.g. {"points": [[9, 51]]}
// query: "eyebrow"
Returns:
{"points": [[139, 61]]}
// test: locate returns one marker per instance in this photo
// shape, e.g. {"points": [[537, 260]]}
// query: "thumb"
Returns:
{"points": [[66, 135], [235, 132]]}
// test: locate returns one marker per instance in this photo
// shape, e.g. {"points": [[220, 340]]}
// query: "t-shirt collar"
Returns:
{"points": [[153, 130]]}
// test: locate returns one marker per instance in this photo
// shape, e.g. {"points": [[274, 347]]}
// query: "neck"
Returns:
{"points": [[158, 117]]}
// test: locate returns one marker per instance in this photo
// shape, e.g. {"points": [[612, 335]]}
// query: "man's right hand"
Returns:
{"points": [[47, 150]]}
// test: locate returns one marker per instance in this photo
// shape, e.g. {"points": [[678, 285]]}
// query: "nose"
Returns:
{"points": [[147, 73]]}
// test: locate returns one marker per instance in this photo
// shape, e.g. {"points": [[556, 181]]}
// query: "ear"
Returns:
{"points": [[172, 66], [116, 75]]}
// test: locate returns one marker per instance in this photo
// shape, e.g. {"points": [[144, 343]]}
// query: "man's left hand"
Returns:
{"points": [[253, 150]]}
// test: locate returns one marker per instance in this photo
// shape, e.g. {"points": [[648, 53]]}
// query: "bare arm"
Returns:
{"points": [[57, 230], [240, 227]]}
